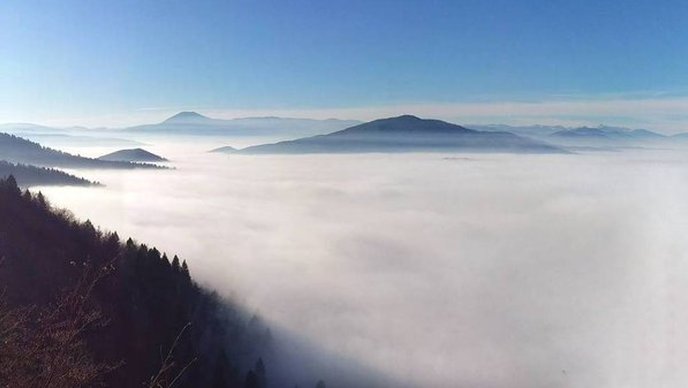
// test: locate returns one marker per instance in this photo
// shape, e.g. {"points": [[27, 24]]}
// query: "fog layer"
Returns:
{"points": [[438, 270]]}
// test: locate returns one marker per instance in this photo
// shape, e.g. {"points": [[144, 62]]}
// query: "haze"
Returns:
{"points": [[430, 269]]}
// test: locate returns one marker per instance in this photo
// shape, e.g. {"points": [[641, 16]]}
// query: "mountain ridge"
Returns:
{"points": [[406, 133]]}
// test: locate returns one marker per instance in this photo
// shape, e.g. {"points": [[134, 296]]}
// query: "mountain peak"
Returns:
{"points": [[405, 118], [186, 117], [405, 125], [133, 155]]}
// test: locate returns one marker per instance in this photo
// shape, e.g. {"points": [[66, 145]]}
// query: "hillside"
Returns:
{"points": [[17, 150], [224, 150], [39, 176], [110, 313], [407, 134], [132, 155]]}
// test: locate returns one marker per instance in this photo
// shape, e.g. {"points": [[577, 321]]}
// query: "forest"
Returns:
{"points": [[15, 149], [27, 175], [81, 308]]}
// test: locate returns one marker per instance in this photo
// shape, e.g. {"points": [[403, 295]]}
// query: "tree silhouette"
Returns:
{"points": [[133, 315]]}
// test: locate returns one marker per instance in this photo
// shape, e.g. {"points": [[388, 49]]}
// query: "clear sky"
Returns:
{"points": [[116, 62]]}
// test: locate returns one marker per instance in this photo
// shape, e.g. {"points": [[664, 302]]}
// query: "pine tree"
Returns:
{"points": [[185, 271], [251, 380], [41, 200], [11, 185], [175, 264], [220, 375], [260, 373]]}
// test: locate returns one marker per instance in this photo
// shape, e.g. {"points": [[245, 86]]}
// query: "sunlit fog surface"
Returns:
{"points": [[439, 270]]}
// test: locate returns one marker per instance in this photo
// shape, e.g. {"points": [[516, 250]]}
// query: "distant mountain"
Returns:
{"points": [[72, 140], [680, 136], [132, 155], [192, 123], [605, 135], [644, 133], [225, 149], [600, 137], [16, 128], [17, 150], [27, 176], [188, 117], [528, 130], [74, 136], [407, 134]]}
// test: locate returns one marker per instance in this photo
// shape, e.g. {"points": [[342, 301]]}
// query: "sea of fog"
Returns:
{"points": [[436, 270]]}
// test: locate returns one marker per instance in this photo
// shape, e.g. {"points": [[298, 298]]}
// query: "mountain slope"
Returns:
{"points": [[407, 134], [132, 155], [17, 150], [39, 176], [105, 313]]}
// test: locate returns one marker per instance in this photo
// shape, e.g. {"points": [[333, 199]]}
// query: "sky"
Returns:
{"points": [[556, 62]]}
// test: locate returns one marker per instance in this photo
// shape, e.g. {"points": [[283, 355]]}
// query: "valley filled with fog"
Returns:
{"points": [[478, 270]]}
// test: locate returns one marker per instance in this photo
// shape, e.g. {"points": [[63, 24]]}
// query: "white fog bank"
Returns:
{"points": [[438, 270]]}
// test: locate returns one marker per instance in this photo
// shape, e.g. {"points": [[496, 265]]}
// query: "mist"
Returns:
{"points": [[437, 270]]}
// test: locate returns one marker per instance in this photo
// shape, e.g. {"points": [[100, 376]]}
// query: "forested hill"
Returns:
{"points": [[31, 175], [80, 308], [18, 150]]}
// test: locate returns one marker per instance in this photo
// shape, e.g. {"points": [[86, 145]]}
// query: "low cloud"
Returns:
{"points": [[496, 271]]}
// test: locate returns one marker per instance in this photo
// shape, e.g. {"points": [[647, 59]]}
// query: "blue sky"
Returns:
{"points": [[110, 62]]}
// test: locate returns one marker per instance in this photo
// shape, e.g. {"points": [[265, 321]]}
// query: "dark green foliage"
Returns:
{"points": [[30, 175], [18, 150], [260, 373], [251, 380], [146, 300], [320, 384]]}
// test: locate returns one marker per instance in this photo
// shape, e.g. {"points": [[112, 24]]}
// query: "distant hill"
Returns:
{"points": [[17, 150], [606, 136], [29, 128], [225, 149], [602, 137], [407, 134], [74, 140], [132, 155], [527, 130], [680, 136], [192, 123], [188, 117], [27, 176], [607, 132]]}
